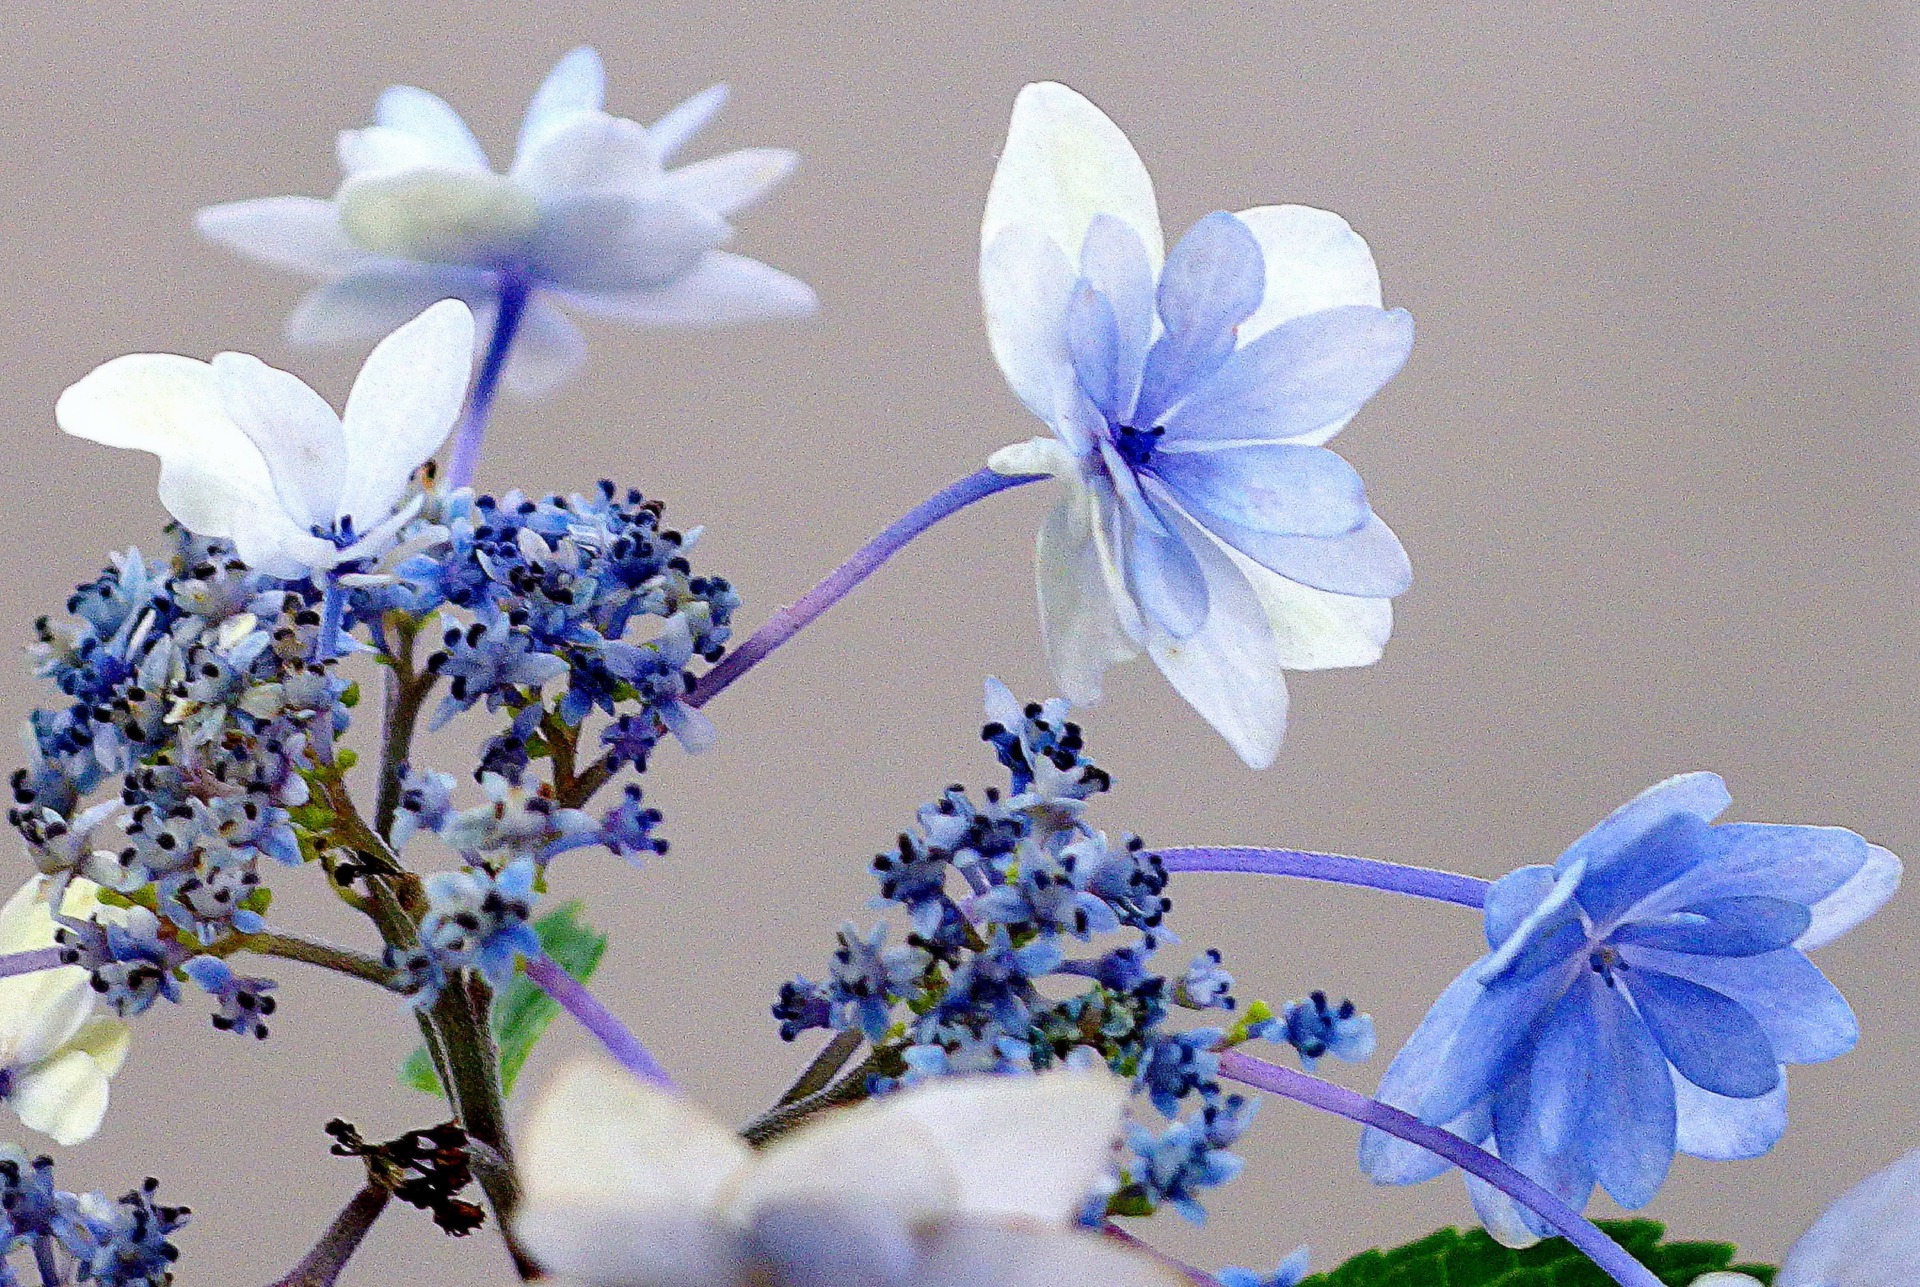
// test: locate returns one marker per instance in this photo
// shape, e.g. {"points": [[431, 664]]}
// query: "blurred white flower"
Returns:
{"points": [[56, 1055], [1870, 1237], [952, 1182], [1203, 519], [251, 454], [587, 215]]}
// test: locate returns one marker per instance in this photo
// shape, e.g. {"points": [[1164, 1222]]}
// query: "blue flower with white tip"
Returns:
{"points": [[1641, 997], [1190, 397], [587, 217]]}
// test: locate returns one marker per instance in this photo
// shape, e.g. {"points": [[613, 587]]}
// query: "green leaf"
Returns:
{"points": [[522, 1012], [1450, 1258]]}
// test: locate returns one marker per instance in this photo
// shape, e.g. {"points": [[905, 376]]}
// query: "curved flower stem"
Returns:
{"points": [[1337, 869], [341, 960], [321, 1267], [837, 584], [514, 293], [40, 958], [1198, 1277], [831, 1059], [1609, 1255], [598, 1020]]}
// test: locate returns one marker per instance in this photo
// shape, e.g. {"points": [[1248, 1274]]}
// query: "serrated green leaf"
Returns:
{"points": [[522, 1012], [1450, 1258]]}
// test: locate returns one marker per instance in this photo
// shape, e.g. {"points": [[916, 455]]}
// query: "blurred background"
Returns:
{"points": [[1654, 457]]}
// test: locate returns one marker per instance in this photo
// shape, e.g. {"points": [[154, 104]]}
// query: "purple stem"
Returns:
{"points": [[40, 958], [1609, 1255], [514, 292], [598, 1020], [1198, 1277], [837, 584], [1337, 869]]}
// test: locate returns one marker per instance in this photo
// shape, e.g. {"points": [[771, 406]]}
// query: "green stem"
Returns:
{"points": [[851, 1089], [831, 1059], [321, 1266], [407, 692], [341, 960]]}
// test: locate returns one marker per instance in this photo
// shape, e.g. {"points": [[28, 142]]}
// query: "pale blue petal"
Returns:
{"points": [[428, 118], [547, 351], [1869, 1237], [1567, 1175], [1163, 575], [1705, 1034], [671, 132], [1093, 340], [1628, 881], [1368, 562], [369, 305], [1492, 1041], [1799, 864], [1212, 281], [577, 83], [1802, 1013], [1745, 926], [1025, 283], [301, 233], [1700, 795], [1863, 894], [1388, 1159], [607, 241], [1631, 1120], [1114, 261], [1512, 899], [1560, 1084], [1722, 1129], [720, 289], [1268, 487], [1298, 377]]}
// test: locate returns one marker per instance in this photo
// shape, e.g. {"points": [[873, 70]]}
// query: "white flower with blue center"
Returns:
{"points": [[950, 1183], [250, 454], [1204, 521], [587, 216], [1641, 997], [56, 1055]]}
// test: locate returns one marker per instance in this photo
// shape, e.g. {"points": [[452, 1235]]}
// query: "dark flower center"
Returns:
{"points": [[1136, 446], [1605, 960]]}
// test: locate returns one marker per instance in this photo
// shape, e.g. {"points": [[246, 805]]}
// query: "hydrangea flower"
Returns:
{"points": [[252, 455], [1290, 1271], [1640, 998], [1203, 520], [56, 1055], [587, 216], [955, 1182], [1870, 1237]]}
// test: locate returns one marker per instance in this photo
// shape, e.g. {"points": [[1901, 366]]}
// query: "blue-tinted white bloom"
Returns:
{"points": [[1203, 521], [1870, 1237], [1640, 998], [966, 1181], [587, 216], [252, 455], [56, 1055], [1290, 1271]]}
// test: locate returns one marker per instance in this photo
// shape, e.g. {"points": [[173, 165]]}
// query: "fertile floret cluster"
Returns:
{"points": [[108, 1242], [997, 893]]}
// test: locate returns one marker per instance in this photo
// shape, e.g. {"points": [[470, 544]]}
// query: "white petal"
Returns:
{"points": [[1026, 282], [1722, 1129], [610, 1247], [1869, 1238], [107, 1039], [577, 83], [369, 305], [1315, 260], [1315, 630], [720, 289], [65, 1097], [1083, 632], [861, 1155], [732, 181], [611, 242], [599, 1137], [1228, 669], [428, 118], [1022, 1148], [385, 149], [548, 350], [1724, 1278], [1500, 1214], [209, 471], [1863, 894], [590, 152], [1064, 162], [26, 921], [295, 430], [39, 1012], [1044, 455], [438, 214], [671, 132], [402, 406], [962, 1255], [301, 233]]}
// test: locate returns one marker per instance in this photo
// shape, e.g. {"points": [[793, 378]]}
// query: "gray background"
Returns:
{"points": [[1653, 458]]}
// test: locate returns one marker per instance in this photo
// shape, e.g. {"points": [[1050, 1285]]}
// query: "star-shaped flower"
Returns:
{"points": [[251, 454], [587, 216], [1203, 521], [1641, 997], [965, 1181], [56, 1055]]}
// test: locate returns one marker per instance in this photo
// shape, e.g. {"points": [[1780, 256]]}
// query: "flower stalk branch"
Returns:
{"points": [[1336, 869]]}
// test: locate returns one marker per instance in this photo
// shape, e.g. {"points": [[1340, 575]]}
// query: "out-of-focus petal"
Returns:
{"points": [[438, 215], [671, 132], [301, 233], [857, 1156], [107, 1039], [548, 349], [66, 1097], [1063, 163], [428, 118], [729, 183], [721, 288], [577, 83], [630, 1247], [590, 152], [608, 242], [372, 304], [966, 1255], [403, 404], [1870, 1237]]}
